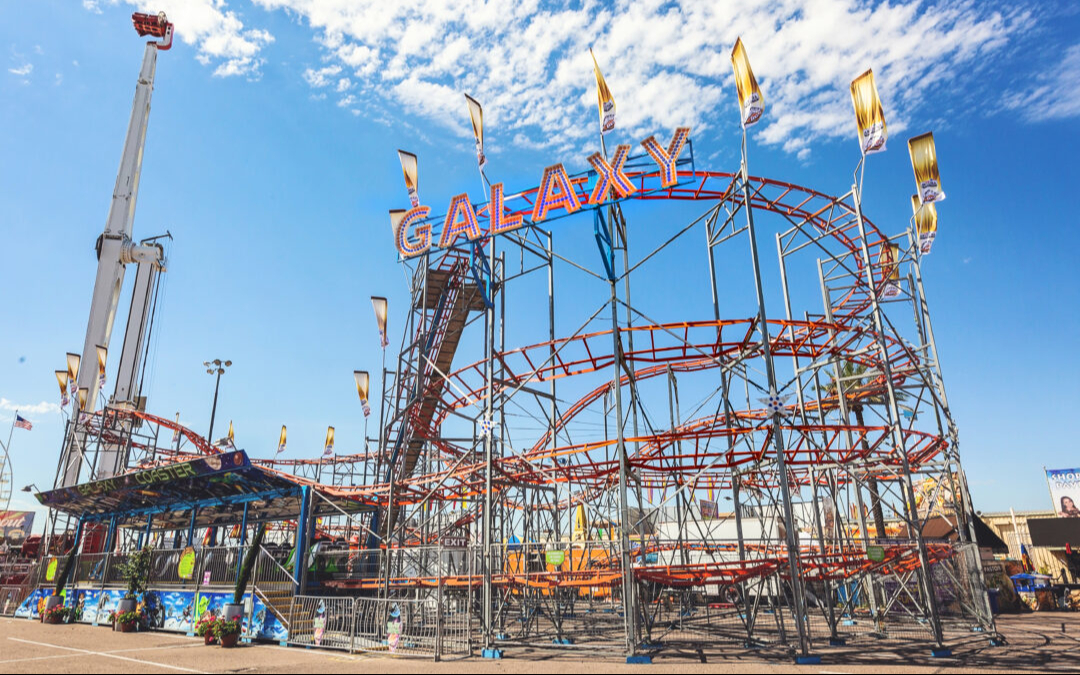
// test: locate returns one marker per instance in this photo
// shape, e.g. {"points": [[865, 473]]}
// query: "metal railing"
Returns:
{"points": [[418, 627]]}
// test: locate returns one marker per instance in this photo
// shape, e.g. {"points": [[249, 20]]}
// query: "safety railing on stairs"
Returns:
{"points": [[274, 585]]}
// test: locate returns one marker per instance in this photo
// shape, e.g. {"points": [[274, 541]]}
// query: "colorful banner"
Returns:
{"points": [[410, 168], [709, 509], [889, 262], [925, 223], [62, 380], [281, 441], [362, 382], [751, 101], [15, 527], [204, 466], [381, 306], [604, 100], [1065, 491], [924, 162], [476, 115], [328, 448], [102, 355], [869, 115]]}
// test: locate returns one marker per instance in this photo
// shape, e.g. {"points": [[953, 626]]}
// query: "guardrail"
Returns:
{"points": [[410, 627]]}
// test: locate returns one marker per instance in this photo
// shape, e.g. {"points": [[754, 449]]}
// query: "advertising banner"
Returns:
{"points": [[1065, 491], [15, 527], [709, 509]]}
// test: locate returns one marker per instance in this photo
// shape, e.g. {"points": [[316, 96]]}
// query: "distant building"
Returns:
{"points": [[1012, 527]]}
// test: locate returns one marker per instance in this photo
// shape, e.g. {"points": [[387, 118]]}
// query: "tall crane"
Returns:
{"points": [[116, 250]]}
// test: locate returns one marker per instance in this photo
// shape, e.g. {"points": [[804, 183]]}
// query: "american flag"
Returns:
{"points": [[23, 423]]}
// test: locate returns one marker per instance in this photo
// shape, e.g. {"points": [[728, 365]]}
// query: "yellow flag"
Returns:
{"points": [[231, 437], [409, 168], [869, 116], [889, 262], [925, 223], [476, 115], [924, 162], [604, 99], [102, 355], [381, 307], [62, 380], [751, 101], [362, 380], [281, 441], [73, 368], [328, 448]]}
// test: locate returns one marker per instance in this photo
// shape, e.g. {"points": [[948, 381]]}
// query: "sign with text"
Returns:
{"points": [[15, 527], [1065, 491]]}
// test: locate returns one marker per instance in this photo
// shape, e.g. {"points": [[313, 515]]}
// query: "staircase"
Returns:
{"points": [[277, 596], [443, 304], [275, 586]]}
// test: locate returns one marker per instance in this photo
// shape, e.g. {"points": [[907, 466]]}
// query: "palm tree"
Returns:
{"points": [[861, 391]]}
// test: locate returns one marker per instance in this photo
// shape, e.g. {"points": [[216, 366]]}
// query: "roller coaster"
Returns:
{"points": [[565, 489]]}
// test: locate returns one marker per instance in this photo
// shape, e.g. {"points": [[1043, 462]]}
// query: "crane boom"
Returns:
{"points": [[115, 250]]}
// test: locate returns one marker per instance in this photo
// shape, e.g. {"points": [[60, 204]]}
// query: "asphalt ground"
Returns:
{"points": [[1042, 642]]}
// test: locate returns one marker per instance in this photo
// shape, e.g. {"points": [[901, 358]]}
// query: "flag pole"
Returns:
{"points": [[489, 360], [11, 431]]}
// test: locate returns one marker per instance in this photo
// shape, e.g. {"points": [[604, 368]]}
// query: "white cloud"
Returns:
{"points": [[43, 408], [666, 61], [321, 77], [217, 33], [23, 70], [1055, 94]]}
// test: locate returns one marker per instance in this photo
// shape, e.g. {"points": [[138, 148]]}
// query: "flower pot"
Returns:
{"points": [[229, 641], [127, 627], [209, 639], [233, 612]]}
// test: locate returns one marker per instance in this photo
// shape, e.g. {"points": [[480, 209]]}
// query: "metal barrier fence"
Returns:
{"points": [[422, 627], [11, 597]]}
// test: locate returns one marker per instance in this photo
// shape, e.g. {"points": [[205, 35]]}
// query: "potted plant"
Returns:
{"points": [[234, 611], [57, 598], [128, 621], [204, 628], [135, 571], [227, 632], [56, 614]]}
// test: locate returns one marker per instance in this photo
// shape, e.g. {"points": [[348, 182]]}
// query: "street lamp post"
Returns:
{"points": [[215, 367]]}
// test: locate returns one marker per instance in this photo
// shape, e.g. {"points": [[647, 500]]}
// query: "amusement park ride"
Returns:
{"points": [[634, 484]]}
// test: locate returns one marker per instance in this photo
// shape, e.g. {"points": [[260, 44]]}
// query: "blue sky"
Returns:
{"points": [[271, 157]]}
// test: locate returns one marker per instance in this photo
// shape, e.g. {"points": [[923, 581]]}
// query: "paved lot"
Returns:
{"points": [[1037, 642]]}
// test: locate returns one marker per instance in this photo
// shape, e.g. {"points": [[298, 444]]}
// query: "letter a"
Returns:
{"points": [[555, 192], [460, 217]]}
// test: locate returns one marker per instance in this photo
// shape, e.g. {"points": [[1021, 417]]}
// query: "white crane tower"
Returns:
{"points": [[115, 250]]}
